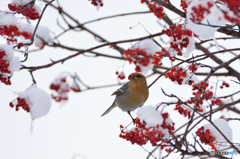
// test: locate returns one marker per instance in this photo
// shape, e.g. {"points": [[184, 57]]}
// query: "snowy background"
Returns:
{"points": [[75, 129]]}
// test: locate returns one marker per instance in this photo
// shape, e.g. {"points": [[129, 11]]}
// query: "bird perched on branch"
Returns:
{"points": [[131, 95]]}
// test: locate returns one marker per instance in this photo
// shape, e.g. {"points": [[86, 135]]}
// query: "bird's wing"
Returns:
{"points": [[121, 90]]}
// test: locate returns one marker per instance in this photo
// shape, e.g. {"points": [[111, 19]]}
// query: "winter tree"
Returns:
{"points": [[74, 54]]}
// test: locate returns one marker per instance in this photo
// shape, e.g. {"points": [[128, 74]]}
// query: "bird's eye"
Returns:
{"points": [[138, 76]]}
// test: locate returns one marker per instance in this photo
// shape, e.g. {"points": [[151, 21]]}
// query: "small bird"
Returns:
{"points": [[131, 95]]}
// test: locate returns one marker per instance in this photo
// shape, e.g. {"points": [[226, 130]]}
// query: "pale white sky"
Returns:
{"points": [[76, 127]]}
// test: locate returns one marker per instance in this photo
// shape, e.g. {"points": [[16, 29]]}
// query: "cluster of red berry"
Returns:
{"points": [[121, 75], [157, 58], [206, 95], [234, 6], [25, 34], [202, 86], [181, 110], [4, 64], [184, 5], [193, 67], [224, 84], [30, 13], [20, 45], [164, 125], [96, 2], [176, 74], [62, 88], [202, 93], [156, 9], [180, 37], [169, 150], [9, 32], [200, 11], [206, 137], [216, 101], [138, 57], [20, 102], [141, 135], [5, 80]]}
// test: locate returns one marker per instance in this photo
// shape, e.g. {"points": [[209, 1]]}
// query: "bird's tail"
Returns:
{"points": [[109, 109]]}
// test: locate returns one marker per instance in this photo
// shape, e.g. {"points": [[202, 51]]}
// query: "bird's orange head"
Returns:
{"points": [[137, 79]]}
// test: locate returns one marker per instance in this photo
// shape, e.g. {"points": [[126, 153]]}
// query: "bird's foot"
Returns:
{"points": [[131, 117]]}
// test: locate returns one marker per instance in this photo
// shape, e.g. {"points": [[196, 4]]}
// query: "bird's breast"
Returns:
{"points": [[132, 100]]}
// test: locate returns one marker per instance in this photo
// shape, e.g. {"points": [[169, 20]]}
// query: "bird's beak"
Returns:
{"points": [[130, 77]]}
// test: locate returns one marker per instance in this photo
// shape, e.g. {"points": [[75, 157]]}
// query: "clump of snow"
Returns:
{"points": [[27, 3], [215, 17], [38, 100], [121, 75], [204, 108], [151, 48], [21, 2], [37, 8], [26, 27], [99, 4], [223, 126], [150, 115], [14, 62], [8, 19], [191, 46], [26, 41], [217, 46], [25, 30], [171, 51], [8, 49], [194, 78], [152, 118], [44, 34]]}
